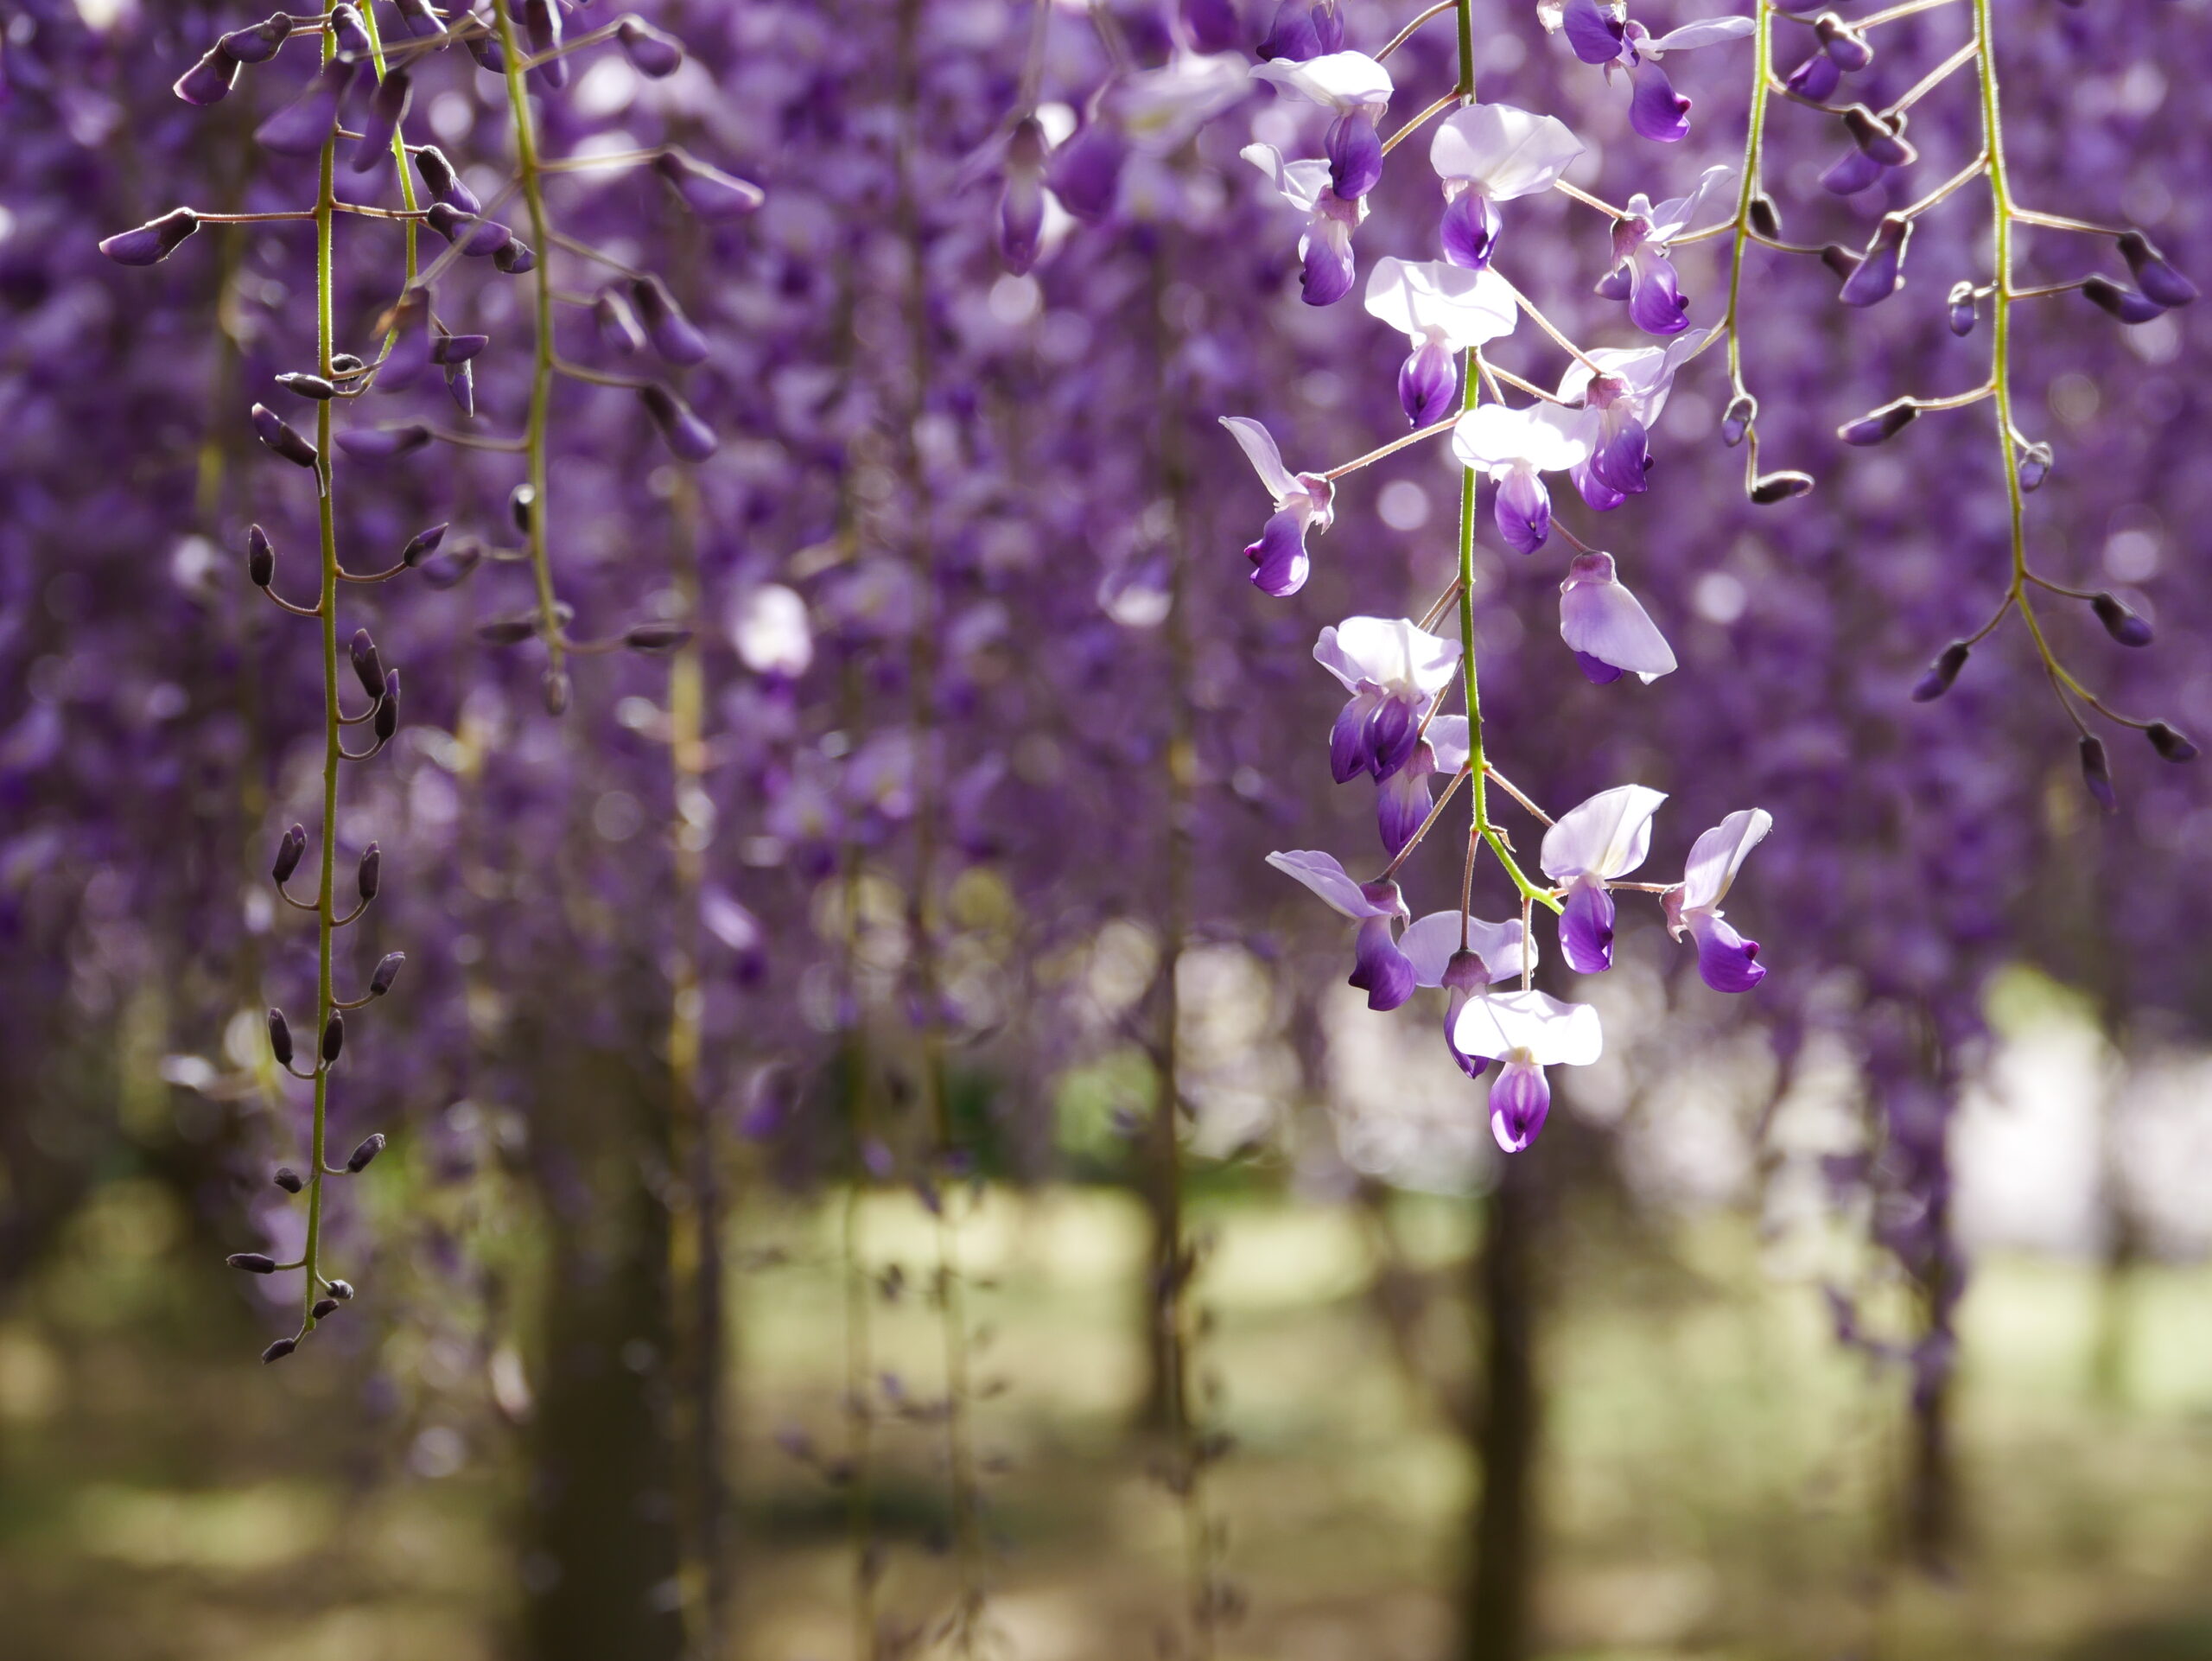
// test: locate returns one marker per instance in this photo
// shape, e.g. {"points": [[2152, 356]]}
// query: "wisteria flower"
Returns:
{"points": [[1357, 89], [1303, 501], [1403, 799], [1517, 447], [1325, 249], [1842, 51], [1606, 626], [1528, 1031], [1603, 33], [1379, 968], [1617, 402], [1728, 962], [1442, 309], [1642, 274], [1493, 952], [1593, 845], [1393, 669], [1303, 30], [1491, 153]]}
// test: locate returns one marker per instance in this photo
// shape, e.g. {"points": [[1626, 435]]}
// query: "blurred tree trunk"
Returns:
{"points": [[599, 1570], [1496, 1616]]}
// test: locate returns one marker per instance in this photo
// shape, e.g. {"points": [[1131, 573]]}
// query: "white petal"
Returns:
{"points": [[1301, 183], [1341, 80], [1608, 836], [1706, 31], [1648, 370], [1466, 308], [1448, 742], [1493, 436], [1600, 616], [1327, 878], [1719, 854], [1431, 941], [1331, 656], [1506, 152], [1554, 1033], [1391, 653], [768, 627], [1259, 446], [1160, 109], [1712, 199]]}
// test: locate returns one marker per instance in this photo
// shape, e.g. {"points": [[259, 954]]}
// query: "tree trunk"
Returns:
{"points": [[1499, 1583]]}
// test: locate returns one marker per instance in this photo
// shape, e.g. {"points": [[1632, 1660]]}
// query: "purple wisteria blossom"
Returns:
{"points": [[1528, 1031], [1728, 962], [1403, 799], [1393, 671], [1303, 501], [1603, 33], [1492, 952], [1606, 626], [1491, 153], [1642, 275], [1356, 89], [1325, 246], [1591, 846], [1304, 29], [1442, 309], [1842, 50], [1617, 402], [1379, 968], [1517, 447]]}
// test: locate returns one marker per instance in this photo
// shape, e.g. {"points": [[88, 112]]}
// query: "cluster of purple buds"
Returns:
{"points": [[1604, 33]]}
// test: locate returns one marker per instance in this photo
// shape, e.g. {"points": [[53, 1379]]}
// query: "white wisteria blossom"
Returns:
{"points": [[1442, 309], [1594, 844], [1491, 153], [1728, 962]]}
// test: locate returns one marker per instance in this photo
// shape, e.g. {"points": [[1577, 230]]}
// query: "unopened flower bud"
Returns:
{"points": [[368, 666], [387, 717], [387, 109], [1764, 218], [257, 43], [1816, 78], [451, 568], [288, 1180], [460, 386], [692, 439], [490, 56], [279, 1349], [345, 28], [2157, 279], [2034, 466], [268, 427], [2169, 742], [371, 870], [555, 691], [1881, 141], [423, 21], [443, 182], [541, 21], [154, 241], [289, 848], [280, 1038], [2126, 304], [656, 637], [1962, 308], [387, 971], [1839, 259], [506, 631], [254, 1262], [260, 557], [457, 348], [672, 333], [334, 1036], [1943, 673], [1772, 487], [2096, 772], [304, 125], [618, 323], [374, 444], [324, 1309], [1880, 272], [307, 385], [342, 1290], [1878, 425], [1843, 43], [521, 500], [209, 81], [422, 545], [371, 1145], [516, 259], [654, 54], [1743, 411], [482, 237], [706, 190], [2124, 625]]}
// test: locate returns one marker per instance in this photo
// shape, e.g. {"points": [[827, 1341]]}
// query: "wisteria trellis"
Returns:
{"points": [[905, 690]]}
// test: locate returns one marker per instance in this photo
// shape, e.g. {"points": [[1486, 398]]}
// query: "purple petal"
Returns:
{"points": [[1469, 229], [1523, 511], [1428, 381], [1656, 304], [1595, 490], [1656, 109], [1327, 275], [1391, 734], [1622, 459], [1085, 173], [1379, 968], [1348, 756], [1728, 962], [1591, 30], [1816, 78], [1355, 154], [1597, 671], [1852, 172], [1616, 284], [1519, 1099], [1292, 36], [1586, 928], [1279, 560], [1402, 802]]}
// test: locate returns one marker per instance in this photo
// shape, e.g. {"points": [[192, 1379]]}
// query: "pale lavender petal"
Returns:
{"points": [[1519, 1100], [1656, 109], [1728, 962]]}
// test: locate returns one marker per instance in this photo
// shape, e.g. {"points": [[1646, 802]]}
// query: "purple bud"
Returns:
{"points": [[1766, 219], [1773, 487], [1843, 43], [1022, 199], [692, 439], [387, 971], [1882, 141], [288, 1180], [1879, 425], [1211, 24], [1292, 35], [542, 20], [1355, 151], [1962, 302], [383, 443], [461, 385], [154, 241], [253, 1263], [422, 21], [1743, 411], [1816, 78], [353, 40], [387, 109], [516, 258], [260, 557], [304, 126], [2122, 624], [324, 1309], [1852, 172], [653, 54], [268, 427], [306, 385], [2169, 742], [2096, 772], [279, 1349], [334, 1036], [280, 1038], [2034, 466], [1842, 261], [371, 871], [506, 631], [707, 191], [451, 568], [618, 323], [485, 236], [1881, 272], [2126, 304], [457, 348], [422, 545], [673, 334], [655, 637], [490, 56], [443, 182], [387, 719], [258, 42], [2157, 279], [209, 81], [1085, 172], [342, 1290], [1941, 673], [554, 690], [289, 848]]}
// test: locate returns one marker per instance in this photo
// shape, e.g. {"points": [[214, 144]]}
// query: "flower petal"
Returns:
{"points": [[1379, 968], [1598, 616], [1719, 854], [1431, 299], [1586, 928], [1520, 1099], [1608, 836], [1259, 446], [1430, 941], [1339, 81], [1727, 961], [1326, 876], [1554, 1033], [1298, 183], [1505, 152], [1706, 31]]}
